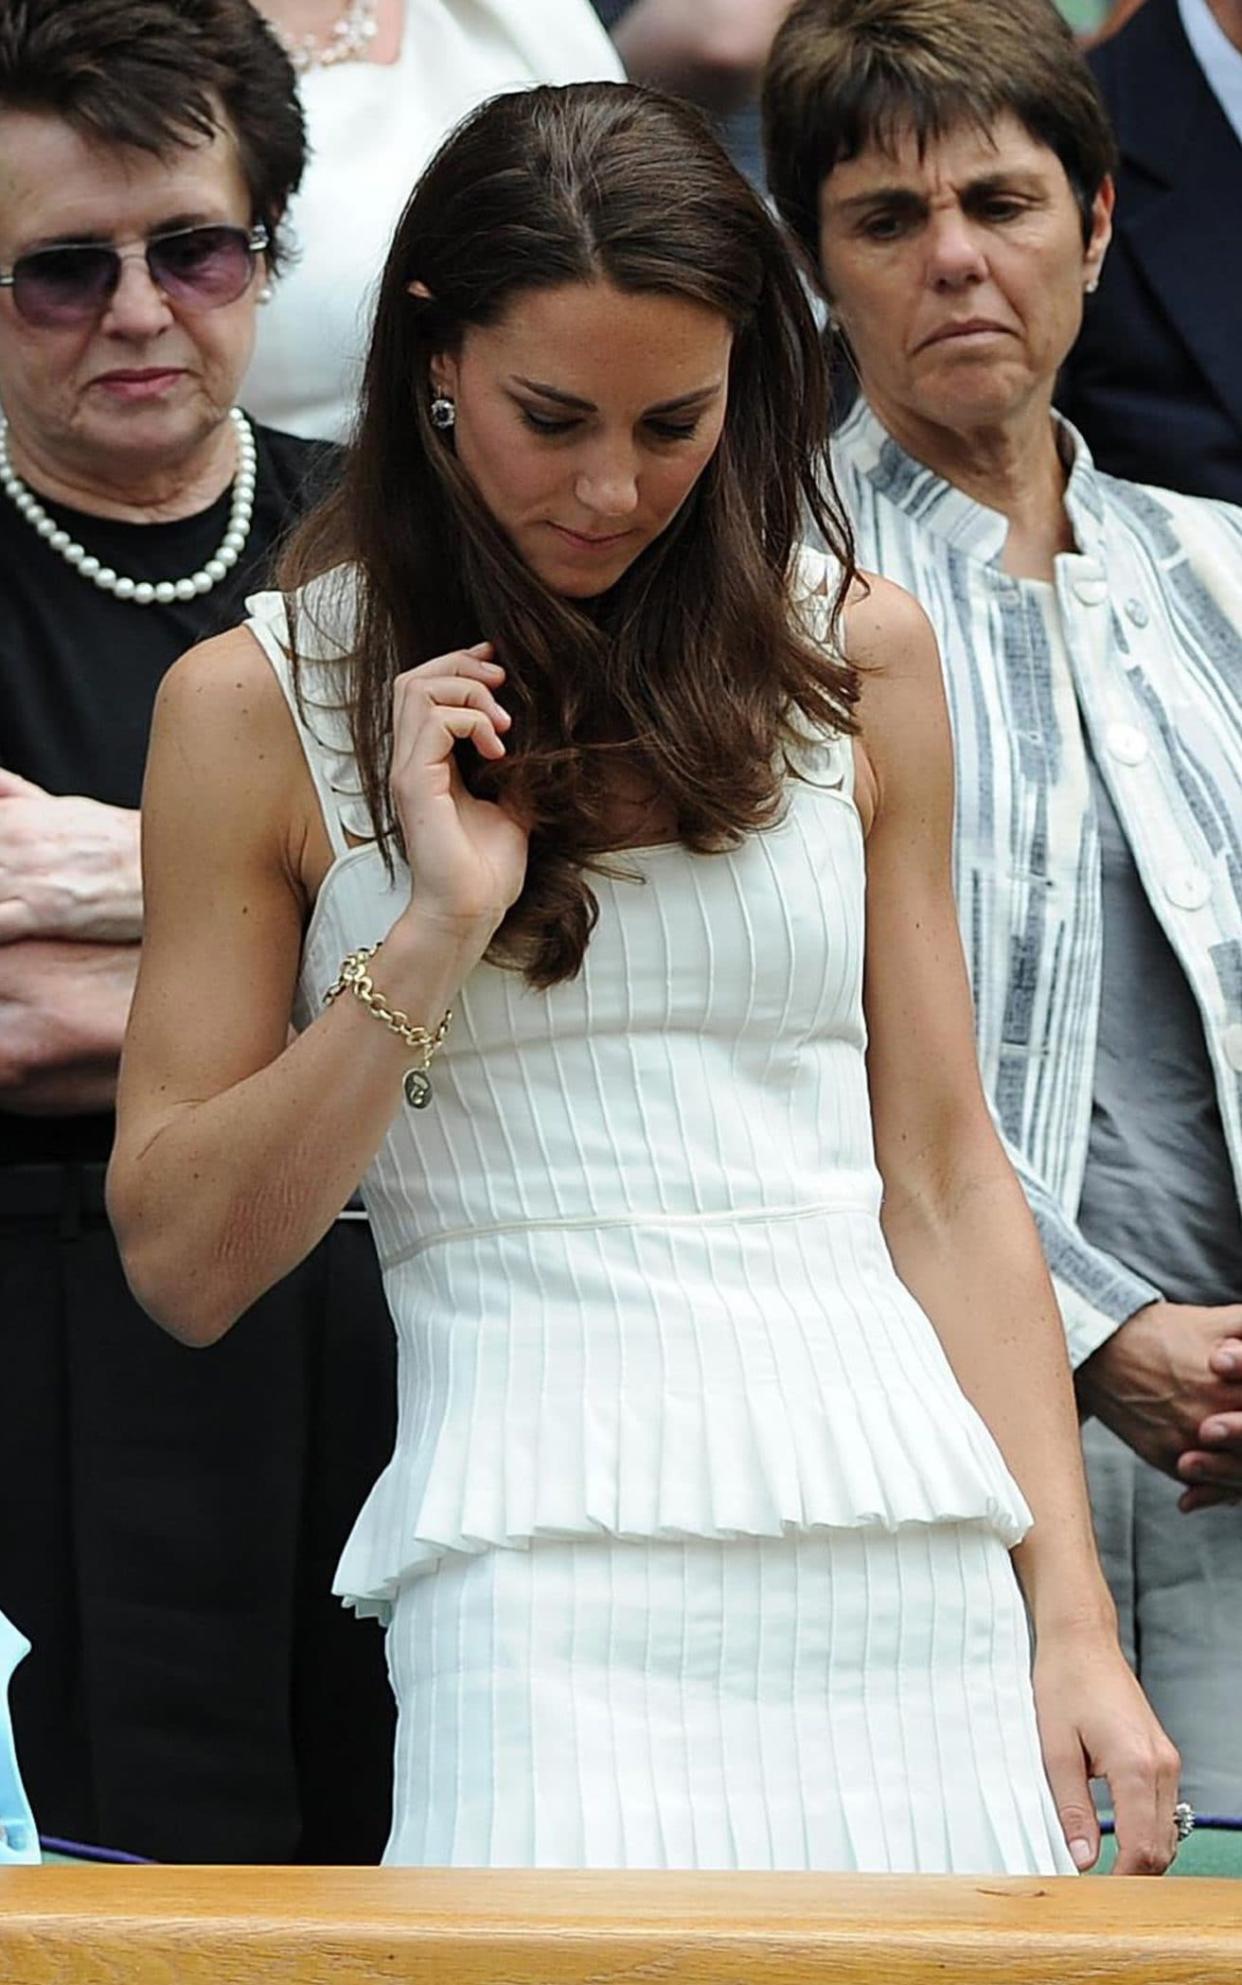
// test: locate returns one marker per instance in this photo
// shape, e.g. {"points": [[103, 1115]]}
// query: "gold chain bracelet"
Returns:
{"points": [[354, 978]]}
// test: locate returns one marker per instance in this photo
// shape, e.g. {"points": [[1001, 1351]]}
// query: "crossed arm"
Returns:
{"points": [[70, 921]]}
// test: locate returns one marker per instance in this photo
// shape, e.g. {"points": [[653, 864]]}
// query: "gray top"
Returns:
{"points": [[1158, 1190]]}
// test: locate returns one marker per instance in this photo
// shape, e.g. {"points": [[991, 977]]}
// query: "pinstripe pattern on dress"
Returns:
{"points": [[851, 1700], [1151, 609], [691, 1545]]}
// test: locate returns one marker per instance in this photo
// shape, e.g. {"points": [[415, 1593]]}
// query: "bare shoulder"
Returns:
{"points": [[887, 632], [904, 732], [222, 713], [226, 682], [224, 746]]}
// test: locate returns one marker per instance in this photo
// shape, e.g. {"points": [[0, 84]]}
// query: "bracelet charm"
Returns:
{"points": [[417, 1086], [355, 978]]}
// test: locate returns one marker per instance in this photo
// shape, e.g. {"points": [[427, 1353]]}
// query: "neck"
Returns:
{"points": [[1228, 15], [1011, 466], [132, 491]]}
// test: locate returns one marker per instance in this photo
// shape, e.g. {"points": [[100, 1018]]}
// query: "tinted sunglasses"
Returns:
{"points": [[198, 267]]}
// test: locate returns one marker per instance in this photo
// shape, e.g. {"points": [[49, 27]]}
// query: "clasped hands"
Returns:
{"points": [[1169, 1384]]}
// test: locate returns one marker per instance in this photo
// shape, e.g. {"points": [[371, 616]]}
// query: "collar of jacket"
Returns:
{"points": [[946, 511]]}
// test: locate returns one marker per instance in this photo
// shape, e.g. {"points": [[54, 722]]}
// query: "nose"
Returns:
{"points": [[606, 483], [137, 308], [954, 255]]}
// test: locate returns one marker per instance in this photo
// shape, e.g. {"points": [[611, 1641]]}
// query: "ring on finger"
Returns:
{"points": [[1183, 1820]]}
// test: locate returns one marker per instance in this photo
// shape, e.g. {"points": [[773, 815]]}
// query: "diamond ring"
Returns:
{"points": [[1183, 1820]]}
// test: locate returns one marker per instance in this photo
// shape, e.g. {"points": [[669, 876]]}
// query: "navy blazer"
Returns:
{"points": [[1155, 380]]}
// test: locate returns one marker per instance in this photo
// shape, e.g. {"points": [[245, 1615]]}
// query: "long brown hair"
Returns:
{"points": [[693, 672]]}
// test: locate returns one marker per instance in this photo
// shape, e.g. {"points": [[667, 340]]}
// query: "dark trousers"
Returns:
{"points": [[168, 1534]]}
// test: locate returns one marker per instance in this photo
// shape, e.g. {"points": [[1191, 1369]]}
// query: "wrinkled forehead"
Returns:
{"points": [[902, 154], [60, 184]]}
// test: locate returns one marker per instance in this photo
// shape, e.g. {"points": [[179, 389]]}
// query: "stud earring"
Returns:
{"points": [[443, 412], [1092, 285]]}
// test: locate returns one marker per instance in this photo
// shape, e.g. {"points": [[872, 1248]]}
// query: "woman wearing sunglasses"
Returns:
{"points": [[547, 799], [171, 1521]]}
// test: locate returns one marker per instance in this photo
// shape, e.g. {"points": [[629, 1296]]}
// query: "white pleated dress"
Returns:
{"points": [[692, 1552]]}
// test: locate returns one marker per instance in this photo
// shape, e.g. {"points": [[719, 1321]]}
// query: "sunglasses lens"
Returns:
{"points": [[202, 266], [63, 285]]}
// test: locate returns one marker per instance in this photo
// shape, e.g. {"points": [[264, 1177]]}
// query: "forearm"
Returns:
{"points": [[971, 1258], [63, 1009], [70, 868], [223, 1196], [1095, 1292]]}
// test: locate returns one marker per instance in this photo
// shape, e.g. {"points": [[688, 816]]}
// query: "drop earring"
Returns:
{"points": [[443, 412], [265, 294]]}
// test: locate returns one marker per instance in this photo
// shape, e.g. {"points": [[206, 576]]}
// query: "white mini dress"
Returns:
{"points": [[691, 1549]]}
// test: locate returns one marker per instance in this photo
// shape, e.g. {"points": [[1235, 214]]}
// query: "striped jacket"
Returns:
{"points": [[1151, 604]]}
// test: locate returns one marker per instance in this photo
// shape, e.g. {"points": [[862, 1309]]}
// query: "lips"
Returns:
{"points": [[137, 384], [969, 327], [583, 541]]}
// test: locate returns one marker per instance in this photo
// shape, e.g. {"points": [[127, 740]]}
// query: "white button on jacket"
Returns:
{"points": [[1125, 743]]}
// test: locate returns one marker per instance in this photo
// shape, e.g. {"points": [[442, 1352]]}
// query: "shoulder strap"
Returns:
{"points": [[815, 578], [319, 716]]}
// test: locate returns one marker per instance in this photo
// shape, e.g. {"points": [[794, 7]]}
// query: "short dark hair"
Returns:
{"points": [[845, 74], [152, 75]]}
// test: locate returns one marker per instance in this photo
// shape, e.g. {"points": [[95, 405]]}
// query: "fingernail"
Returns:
{"points": [[1228, 1360], [1215, 1430], [1082, 1853]]}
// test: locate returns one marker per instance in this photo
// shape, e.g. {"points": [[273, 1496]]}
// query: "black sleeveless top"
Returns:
{"points": [[79, 670]]}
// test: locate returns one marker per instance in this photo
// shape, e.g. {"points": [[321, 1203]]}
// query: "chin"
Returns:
{"points": [[572, 582], [970, 397]]}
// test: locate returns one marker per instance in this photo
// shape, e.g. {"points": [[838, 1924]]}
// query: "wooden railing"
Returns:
{"points": [[347, 1926]]}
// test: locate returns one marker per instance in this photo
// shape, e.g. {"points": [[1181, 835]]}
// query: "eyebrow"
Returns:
{"points": [[683, 404], [1018, 180], [93, 238]]}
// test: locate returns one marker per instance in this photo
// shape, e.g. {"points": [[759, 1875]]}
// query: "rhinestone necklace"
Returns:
{"points": [[141, 591], [347, 40]]}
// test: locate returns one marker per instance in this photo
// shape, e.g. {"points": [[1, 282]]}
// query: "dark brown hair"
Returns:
{"points": [[152, 75], [692, 673], [845, 74]]}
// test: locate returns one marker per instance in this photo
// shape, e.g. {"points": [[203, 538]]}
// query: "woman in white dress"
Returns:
{"points": [[381, 83], [729, 1388]]}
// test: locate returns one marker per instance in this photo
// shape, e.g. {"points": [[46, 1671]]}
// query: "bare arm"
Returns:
{"points": [[63, 1008], [963, 1240], [235, 1150], [713, 50]]}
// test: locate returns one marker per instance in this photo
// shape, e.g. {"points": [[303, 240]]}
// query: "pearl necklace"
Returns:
{"points": [[347, 39], [141, 591]]}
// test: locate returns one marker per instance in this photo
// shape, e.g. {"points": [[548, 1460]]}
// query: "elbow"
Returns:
{"points": [[179, 1294]]}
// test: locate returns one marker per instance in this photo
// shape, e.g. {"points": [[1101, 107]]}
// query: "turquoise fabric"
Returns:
{"points": [[18, 1839]]}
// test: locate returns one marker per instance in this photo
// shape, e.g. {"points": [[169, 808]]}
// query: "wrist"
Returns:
{"points": [[1071, 1612], [423, 960]]}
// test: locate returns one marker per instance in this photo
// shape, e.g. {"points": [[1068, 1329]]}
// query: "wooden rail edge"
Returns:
{"points": [[344, 1926]]}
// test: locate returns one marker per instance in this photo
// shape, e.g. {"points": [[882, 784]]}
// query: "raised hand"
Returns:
{"points": [[467, 856]]}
